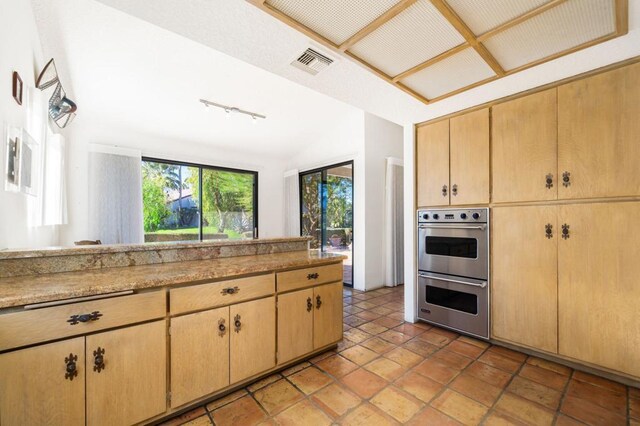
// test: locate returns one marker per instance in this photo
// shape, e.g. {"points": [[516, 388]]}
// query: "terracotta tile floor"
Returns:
{"points": [[388, 372]]}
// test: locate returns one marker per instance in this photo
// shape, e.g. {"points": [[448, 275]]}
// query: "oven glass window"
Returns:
{"points": [[452, 247], [452, 299]]}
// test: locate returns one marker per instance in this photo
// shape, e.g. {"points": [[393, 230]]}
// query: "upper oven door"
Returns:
{"points": [[454, 249]]}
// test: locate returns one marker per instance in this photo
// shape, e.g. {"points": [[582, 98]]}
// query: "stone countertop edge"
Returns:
{"points": [[119, 248], [30, 289]]}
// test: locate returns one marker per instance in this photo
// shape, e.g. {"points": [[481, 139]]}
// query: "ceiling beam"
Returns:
{"points": [[429, 62], [468, 35], [377, 23], [520, 19]]}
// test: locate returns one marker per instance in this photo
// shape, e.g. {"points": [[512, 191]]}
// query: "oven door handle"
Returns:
{"points": [[481, 285], [480, 227]]}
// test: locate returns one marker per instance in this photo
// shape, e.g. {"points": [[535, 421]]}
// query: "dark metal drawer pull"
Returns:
{"points": [[549, 184], [313, 276], [71, 370], [309, 304], [548, 229], [318, 302], [237, 323], [454, 190], [444, 190], [230, 290], [222, 329], [565, 231], [93, 316], [566, 179], [98, 359]]}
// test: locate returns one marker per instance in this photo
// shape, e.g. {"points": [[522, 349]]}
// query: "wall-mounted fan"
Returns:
{"points": [[62, 110]]}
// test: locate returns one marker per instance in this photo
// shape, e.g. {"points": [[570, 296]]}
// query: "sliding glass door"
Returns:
{"points": [[326, 211]]}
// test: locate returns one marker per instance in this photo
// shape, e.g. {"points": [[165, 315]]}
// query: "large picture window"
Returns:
{"points": [[183, 201]]}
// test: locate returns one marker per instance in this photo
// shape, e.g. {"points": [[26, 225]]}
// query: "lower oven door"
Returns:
{"points": [[461, 304]]}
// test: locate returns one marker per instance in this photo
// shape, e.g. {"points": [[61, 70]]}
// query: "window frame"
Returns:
{"points": [[202, 167]]}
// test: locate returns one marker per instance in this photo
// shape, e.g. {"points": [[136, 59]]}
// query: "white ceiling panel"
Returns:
{"points": [[336, 20], [484, 15], [453, 73], [569, 25], [414, 36]]}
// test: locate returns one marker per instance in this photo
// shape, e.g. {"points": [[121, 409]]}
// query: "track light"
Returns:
{"points": [[233, 110]]}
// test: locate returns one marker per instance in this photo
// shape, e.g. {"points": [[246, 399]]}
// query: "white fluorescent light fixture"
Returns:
{"points": [[233, 110]]}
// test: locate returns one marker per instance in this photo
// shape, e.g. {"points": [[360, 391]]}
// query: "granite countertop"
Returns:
{"points": [[28, 289]]}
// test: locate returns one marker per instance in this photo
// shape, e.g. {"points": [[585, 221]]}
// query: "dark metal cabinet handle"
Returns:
{"points": [[71, 369], [309, 304], [549, 181], [318, 302], [93, 316], [222, 329], [237, 323], [313, 276], [444, 190], [98, 360], [566, 179], [230, 290], [548, 229], [565, 231], [454, 190]]}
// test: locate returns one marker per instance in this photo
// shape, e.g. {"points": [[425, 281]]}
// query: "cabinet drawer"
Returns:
{"points": [[300, 278], [204, 296], [39, 325]]}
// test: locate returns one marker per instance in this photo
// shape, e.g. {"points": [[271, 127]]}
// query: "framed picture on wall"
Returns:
{"points": [[22, 162]]}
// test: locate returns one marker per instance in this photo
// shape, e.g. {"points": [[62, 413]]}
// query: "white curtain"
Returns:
{"points": [[292, 203], [393, 223], [115, 195]]}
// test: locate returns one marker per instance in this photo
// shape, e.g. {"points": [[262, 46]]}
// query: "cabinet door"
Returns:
{"points": [[524, 148], [295, 324], [37, 389], [199, 354], [432, 164], [470, 158], [598, 120], [132, 385], [327, 314], [598, 285], [253, 338], [524, 289]]}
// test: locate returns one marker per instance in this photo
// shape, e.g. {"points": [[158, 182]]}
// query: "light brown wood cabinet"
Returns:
{"points": [[327, 315], [524, 295], [452, 166], [131, 386], [598, 128], [252, 338], [598, 289], [309, 319], [199, 354], [36, 387], [295, 324], [432, 164], [125, 384], [524, 144]]}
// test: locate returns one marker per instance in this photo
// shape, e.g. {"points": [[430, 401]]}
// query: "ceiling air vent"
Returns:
{"points": [[312, 62]]}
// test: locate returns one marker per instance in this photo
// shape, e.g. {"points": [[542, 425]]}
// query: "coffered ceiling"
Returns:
{"points": [[433, 49]]}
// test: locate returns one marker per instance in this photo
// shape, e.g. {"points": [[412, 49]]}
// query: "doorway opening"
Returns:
{"points": [[326, 211]]}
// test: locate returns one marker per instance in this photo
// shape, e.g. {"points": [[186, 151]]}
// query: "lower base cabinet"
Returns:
{"points": [[118, 377], [308, 319], [43, 385], [199, 355]]}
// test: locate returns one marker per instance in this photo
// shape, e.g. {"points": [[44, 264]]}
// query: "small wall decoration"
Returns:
{"points": [[62, 110], [17, 87], [22, 160]]}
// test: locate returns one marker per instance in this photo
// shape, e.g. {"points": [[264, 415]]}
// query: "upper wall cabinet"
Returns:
{"points": [[524, 146], [469, 162], [432, 168], [598, 128], [453, 161]]}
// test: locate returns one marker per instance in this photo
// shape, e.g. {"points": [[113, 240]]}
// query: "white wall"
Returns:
{"points": [[382, 139], [20, 51], [82, 133]]}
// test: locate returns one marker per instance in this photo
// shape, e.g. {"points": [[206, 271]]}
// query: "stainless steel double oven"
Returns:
{"points": [[453, 269]]}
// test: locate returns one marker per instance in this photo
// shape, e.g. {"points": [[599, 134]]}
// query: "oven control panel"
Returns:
{"points": [[453, 215]]}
